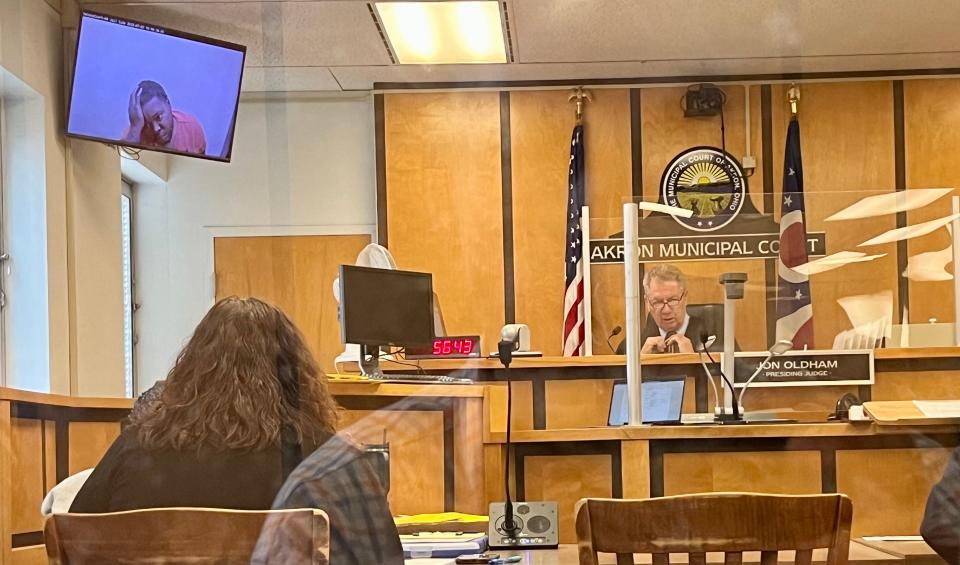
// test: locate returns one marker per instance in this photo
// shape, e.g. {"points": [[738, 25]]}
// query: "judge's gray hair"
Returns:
{"points": [[664, 272]]}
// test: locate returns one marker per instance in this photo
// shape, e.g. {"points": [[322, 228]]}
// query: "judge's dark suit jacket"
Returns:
{"points": [[695, 330], [941, 520]]}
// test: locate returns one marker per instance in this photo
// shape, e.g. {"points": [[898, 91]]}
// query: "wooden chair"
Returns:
{"points": [[717, 522], [188, 536]]}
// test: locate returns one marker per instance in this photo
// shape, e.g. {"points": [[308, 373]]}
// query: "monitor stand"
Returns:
{"points": [[370, 368]]}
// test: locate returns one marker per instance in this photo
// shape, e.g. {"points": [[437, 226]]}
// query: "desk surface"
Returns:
{"points": [[708, 431], [566, 554], [376, 388], [621, 360], [914, 552]]}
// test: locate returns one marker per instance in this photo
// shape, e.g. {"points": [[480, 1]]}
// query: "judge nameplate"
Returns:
{"points": [[806, 368]]}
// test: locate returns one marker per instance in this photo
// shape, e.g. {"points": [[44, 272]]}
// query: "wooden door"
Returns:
{"points": [[295, 273]]}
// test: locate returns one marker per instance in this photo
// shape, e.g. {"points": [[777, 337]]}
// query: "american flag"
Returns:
{"points": [[794, 308], [573, 323]]}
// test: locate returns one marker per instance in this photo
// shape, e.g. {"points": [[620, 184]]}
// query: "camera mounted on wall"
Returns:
{"points": [[703, 100]]}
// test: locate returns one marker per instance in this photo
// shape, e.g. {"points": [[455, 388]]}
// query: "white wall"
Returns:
{"points": [[302, 162], [26, 313], [31, 48], [80, 194]]}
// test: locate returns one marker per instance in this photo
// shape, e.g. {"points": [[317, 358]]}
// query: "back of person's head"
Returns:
{"points": [[244, 378], [664, 272], [150, 90]]}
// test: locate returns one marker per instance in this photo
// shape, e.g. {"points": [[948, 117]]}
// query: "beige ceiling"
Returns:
{"points": [[335, 45]]}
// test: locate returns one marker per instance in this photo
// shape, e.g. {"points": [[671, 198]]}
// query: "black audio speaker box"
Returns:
{"points": [[703, 100], [537, 522]]}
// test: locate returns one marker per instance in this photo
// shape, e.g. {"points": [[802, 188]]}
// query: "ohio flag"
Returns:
{"points": [[794, 307]]}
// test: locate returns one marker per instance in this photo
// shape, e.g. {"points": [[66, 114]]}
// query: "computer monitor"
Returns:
{"points": [[386, 307], [662, 402]]}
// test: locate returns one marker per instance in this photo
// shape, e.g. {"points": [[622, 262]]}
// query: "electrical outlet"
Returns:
{"points": [[749, 162]]}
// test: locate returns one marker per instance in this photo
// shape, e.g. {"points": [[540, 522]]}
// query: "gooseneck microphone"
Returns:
{"points": [[736, 406], [671, 347], [616, 331], [508, 343], [702, 347]]}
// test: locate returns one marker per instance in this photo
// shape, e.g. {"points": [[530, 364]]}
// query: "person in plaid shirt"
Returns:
{"points": [[339, 479]]}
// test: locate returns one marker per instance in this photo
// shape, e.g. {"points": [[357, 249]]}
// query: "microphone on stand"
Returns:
{"points": [[702, 347], [735, 405], [509, 341], [616, 331], [671, 347]]}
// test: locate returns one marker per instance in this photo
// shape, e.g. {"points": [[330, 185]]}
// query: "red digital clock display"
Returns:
{"points": [[449, 347]]}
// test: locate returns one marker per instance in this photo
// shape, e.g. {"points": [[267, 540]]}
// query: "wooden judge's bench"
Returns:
{"points": [[447, 441]]}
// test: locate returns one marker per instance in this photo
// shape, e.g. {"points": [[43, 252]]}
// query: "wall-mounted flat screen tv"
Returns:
{"points": [[147, 87]]}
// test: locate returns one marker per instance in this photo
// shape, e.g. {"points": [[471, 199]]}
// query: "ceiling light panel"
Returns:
{"points": [[431, 33]]}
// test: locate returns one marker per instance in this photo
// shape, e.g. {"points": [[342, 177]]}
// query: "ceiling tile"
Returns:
{"points": [[641, 30], [331, 33], [296, 79]]}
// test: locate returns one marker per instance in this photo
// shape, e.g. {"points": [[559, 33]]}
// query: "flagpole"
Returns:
{"points": [[631, 277], [956, 270]]}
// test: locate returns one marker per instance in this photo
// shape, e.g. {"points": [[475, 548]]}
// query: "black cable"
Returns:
{"points": [[401, 351], [723, 131], [509, 521], [128, 153], [505, 349], [733, 393], [420, 370]]}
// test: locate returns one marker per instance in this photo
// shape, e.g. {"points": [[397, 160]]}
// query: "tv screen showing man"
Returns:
{"points": [[155, 123], [143, 86]]}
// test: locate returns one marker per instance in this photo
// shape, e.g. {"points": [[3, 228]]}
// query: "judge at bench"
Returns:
{"points": [[669, 328]]}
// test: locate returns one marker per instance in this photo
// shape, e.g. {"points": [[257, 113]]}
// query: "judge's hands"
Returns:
{"points": [[657, 344]]}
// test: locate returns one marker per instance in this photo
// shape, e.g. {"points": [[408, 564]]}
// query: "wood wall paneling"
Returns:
{"points": [[541, 123], [6, 480], [586, 403], [635, 462], [88, 442], [33, 555], [847, 142], [889, 487], [468, 439], [567, 479], [522, 416], [931, 135], [802, 399], [666, 133], [928, 385], [295, 273], [416, 454], [578, 403], [776, 472], [444, 202], [493, 461], [50, 431], [28, 469]]}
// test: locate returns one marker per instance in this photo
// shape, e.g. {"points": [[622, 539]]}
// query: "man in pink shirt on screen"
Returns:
{"points": [[154, 123]]}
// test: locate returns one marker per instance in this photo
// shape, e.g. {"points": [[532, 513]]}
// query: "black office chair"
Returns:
{"points": [[712, 317]]}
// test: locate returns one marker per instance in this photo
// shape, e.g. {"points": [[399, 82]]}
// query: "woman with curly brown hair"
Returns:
{"points": [[244, 402]]}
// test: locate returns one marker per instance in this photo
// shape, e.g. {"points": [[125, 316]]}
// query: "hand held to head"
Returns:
{"points": [[135, 115]]}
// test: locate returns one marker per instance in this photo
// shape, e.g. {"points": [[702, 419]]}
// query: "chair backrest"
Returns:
{"points": [[182, 535], [712, 317], [718, 522]]}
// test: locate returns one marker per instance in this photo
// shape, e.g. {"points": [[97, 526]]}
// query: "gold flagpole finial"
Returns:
{"points": [[793, 96], [581, 96]]}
